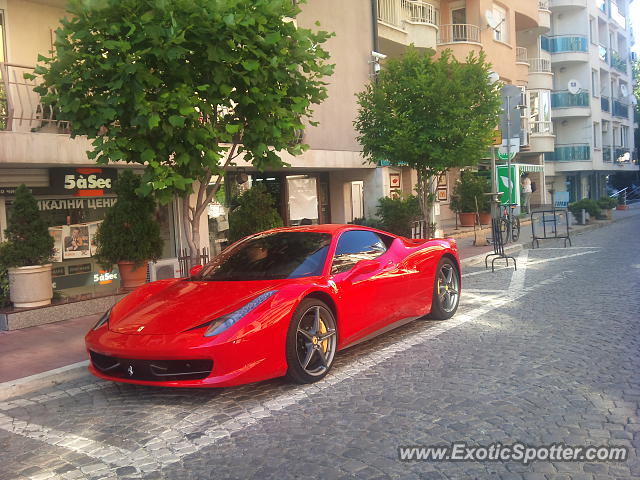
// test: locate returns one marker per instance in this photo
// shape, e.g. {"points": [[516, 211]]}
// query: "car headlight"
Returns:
{"points": [[103, 319], [220, 324]]}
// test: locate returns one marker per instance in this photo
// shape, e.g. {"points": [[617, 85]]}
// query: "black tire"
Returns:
{"points": [[504, 230], [446, 290], [515, 229], [312, 341]]}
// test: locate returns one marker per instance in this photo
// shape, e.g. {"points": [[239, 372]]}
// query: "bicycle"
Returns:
{"points": [[509, 224]]}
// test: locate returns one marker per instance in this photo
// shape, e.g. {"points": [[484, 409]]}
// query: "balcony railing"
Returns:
{"points": [[522, 55], [459, 32], [396, 12], [576, 152], [565, 43], [620, 109], [541, 128], [543, 4], [566, 99], [603, 53], [618, 62], [20, 107], [602, 5], [606, 153], [605, 104], [539, 65], [622, 155]]}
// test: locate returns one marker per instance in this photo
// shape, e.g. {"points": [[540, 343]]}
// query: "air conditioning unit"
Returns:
{"points": [[163, 269]]}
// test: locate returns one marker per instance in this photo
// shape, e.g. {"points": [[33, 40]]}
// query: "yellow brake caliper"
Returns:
{"points": [[322, 331]]}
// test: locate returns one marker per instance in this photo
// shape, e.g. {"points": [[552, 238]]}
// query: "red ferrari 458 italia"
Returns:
{"points": [[281, 302]]}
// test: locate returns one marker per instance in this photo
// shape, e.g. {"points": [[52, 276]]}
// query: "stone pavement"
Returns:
{"points": [[549, 353], [48, 348]]}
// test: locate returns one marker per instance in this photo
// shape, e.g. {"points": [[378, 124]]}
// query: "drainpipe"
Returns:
{"points": [[374, 19]]}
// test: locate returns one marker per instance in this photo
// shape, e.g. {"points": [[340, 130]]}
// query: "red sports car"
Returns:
{"points": [[281, 302]]}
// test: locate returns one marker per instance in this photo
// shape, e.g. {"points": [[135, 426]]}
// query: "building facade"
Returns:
{"points": [[592, 100]]}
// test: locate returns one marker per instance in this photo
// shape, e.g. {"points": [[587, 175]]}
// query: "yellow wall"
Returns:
{"points": [[29, 30], [351, 51]]}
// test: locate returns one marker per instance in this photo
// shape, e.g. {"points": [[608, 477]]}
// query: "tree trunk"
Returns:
{"points": [[425, 197]]}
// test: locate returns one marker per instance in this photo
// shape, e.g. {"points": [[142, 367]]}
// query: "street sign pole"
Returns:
{"points": [[509, 210]]}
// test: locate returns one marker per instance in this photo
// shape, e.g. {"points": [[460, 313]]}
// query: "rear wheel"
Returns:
{"points": [[311, 342], [515, 229], [446, 290]]}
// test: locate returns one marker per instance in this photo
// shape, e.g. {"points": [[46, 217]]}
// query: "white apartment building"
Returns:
{"points": [[592, 103]]}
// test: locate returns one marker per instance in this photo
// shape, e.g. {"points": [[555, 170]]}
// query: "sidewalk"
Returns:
{"points": [[36, 357]]}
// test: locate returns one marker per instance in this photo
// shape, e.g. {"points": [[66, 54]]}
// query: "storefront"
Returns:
{"points": [[73, 202]]}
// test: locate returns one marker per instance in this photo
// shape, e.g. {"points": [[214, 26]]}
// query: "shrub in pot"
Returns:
{"points": [[398, 214], [607, 205], [255, 212], [469, 188], [129, 235], [590, 206], [26, 253]]}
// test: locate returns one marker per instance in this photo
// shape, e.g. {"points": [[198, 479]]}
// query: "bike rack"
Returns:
{"points": [[498, 247], [553, 218]]}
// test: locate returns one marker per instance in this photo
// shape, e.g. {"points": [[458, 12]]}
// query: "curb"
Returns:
{"points": [[51, 378]]}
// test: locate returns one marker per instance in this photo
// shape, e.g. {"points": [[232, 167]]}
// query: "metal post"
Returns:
{"points": [[509, 209]]}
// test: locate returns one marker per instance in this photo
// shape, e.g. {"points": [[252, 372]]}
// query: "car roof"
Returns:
{"points": [[331, 228]]}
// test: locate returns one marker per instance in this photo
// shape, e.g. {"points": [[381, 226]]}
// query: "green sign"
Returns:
{"points": [[505, 156], [503, 184]]}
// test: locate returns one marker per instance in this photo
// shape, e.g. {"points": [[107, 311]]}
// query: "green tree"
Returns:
{"points": [[129, 231], [430, 113], [254, 213], [184, 87], [28, 239]]}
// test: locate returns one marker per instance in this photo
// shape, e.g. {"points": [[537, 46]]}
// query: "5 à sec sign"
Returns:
{"points": [[82, 182]]}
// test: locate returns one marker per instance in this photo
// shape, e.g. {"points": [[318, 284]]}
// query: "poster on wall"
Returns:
{"points": [[303, 198], [93, 230], [442, 194], [442, 180], [76, 241], [56, 234]]}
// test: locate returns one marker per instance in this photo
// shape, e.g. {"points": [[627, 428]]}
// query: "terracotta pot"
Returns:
{"points": [[467, 219], [621, 207], [30, 286], [130, 276], [485, 218]]}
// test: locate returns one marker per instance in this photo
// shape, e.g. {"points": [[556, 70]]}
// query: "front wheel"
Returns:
{"points": [[446, 290], [515, 229], [311, 342]]}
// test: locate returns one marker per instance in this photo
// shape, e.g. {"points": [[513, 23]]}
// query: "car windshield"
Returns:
{"points": [[270, 257]]}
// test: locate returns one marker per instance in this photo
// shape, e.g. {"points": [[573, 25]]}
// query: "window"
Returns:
{"points": [[593, 32], [596, 135], [354, 246], [594, 83], [500, 30], [540, 111], [624, 136]]}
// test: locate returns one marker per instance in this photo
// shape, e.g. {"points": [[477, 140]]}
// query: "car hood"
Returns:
{"points": [[164, 308]]}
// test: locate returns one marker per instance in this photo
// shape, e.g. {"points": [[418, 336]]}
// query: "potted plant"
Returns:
{"points": [[27, 252], [129, 236], [590, 206], [469, 189], [622, 201], [398, 214], [607, 205]]}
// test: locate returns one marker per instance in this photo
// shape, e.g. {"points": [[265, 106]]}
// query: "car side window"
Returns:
{"points": [[356, 245]]}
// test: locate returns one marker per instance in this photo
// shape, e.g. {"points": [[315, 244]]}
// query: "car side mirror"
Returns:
{"points": [[364, 266], [195, 270]]}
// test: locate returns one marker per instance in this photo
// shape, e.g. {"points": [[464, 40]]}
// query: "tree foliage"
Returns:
{"points": [[469, 191], [398, 214], [185, 86], [430, 113], [129, 231], [28, 239], [254, 213]]}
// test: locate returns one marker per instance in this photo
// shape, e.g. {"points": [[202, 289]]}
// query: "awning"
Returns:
{"points": [[527, 167]]}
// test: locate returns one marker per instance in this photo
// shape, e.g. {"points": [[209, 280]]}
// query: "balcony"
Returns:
{"points": [[605, 104], [617, 16], [459, 33], [576, 152], [620, 109], [617, 62], [568, 105], [567, 48], [544, 16], [622, 155], [542, 138], [20, 107], [602, 5], [567, 4], [540, 74], [606, 154], [403, 22]]}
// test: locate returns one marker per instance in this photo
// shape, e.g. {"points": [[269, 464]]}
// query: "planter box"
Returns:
{"points": [[622, 207], [30, 286]]}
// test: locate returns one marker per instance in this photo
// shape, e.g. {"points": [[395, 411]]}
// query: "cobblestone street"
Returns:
{"points": [[549, 353]]}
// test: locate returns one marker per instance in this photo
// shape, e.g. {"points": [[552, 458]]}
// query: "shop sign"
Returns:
{"points": [[104, 277], [82, 182], [76, 203], [82, 268]]}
